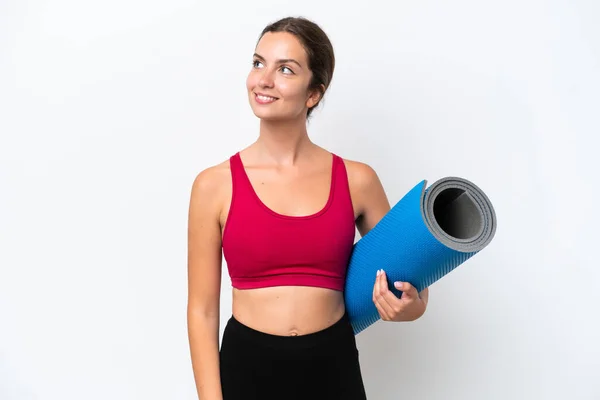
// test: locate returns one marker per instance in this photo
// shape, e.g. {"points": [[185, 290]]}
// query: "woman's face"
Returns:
{"points": [[278, 82]]}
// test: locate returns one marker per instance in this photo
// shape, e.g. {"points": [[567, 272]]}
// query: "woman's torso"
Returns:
{"points": [[287, 309]]}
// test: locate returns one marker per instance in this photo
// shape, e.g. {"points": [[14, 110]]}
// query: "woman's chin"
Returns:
{"points": [[274, 116], [268, 116]]}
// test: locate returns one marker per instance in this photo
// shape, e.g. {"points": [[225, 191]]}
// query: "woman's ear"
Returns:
{"points": [[315, 96]]}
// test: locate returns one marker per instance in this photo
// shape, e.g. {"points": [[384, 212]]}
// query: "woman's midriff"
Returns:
{"points": [[288, 310]]}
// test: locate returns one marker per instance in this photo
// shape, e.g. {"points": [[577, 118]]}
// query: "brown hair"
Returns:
{"points": [[321, 59]]}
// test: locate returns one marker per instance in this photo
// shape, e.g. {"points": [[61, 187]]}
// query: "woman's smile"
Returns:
{"points": [[264, 99]]}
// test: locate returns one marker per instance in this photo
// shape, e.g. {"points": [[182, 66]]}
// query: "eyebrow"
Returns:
{"points": [[280, 61]]}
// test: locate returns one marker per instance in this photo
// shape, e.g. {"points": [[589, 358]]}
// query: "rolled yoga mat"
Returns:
{"points": [[427, 234]]}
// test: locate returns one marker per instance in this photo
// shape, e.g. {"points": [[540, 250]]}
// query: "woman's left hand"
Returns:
{"points": [[409, 307]]}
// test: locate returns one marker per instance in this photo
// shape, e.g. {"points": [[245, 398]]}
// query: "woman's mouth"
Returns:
{"points": [[263, 99]]}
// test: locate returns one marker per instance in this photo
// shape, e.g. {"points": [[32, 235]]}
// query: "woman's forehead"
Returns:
{"points": [[274, 46]]}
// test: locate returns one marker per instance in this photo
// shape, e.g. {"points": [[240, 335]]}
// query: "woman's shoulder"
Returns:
{"points": [[368, 195], [213, 179], [360, 174]]}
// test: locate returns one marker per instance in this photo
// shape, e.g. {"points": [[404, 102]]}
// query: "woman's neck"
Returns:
{"points": [[283, 142]]}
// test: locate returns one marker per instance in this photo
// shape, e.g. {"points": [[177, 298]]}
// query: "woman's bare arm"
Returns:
{"points": [[372, 202], [368, 195], [204, 283]]}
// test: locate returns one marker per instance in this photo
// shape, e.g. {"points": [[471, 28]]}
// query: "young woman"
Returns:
{"points": [[283, 213]]}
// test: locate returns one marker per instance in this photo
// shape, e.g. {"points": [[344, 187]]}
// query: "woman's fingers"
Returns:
{"points": [[380, 294]]}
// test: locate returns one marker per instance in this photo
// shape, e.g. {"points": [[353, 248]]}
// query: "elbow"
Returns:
{"points": [[203, 311], [202, 322]]}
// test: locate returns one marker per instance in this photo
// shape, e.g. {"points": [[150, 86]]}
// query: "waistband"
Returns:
{"points": [[340, 329]]}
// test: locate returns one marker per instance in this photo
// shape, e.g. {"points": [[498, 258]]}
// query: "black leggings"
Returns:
{"points": [[320, 365]]}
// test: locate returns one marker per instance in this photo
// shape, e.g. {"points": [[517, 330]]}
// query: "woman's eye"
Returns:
{"points": [[284, 69]]}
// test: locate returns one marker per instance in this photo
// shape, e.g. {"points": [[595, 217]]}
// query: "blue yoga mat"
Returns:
{"points": [[427, 234]]}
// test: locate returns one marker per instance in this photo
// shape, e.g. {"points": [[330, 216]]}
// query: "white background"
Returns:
{"points": [[110, 109]]}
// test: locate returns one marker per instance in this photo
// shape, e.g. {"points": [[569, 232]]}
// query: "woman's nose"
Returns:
{"points": [[266, 79]]}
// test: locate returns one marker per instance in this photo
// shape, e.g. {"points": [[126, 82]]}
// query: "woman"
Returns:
{"points": [[283, 212]]}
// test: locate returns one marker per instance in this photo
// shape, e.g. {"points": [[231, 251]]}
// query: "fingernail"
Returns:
{"points": [[398, 284]]}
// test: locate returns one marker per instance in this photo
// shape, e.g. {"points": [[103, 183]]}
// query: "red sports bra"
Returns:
{"points": [[263, 248]]}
